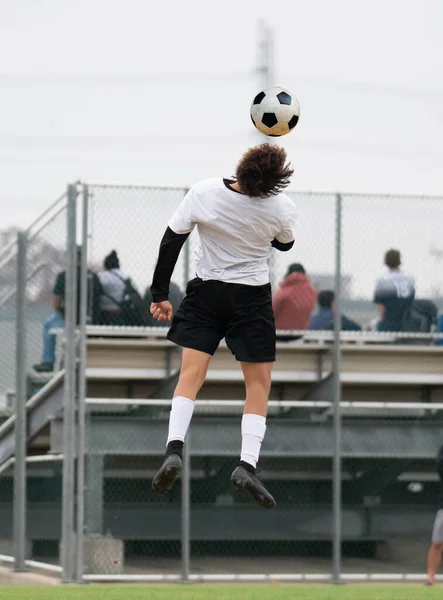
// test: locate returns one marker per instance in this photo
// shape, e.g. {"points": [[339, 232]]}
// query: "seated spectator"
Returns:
{"points": [[294, 301], [394, 293], [57, 319], [323, 319], [420, 317], [120, 302], [175, 298]]}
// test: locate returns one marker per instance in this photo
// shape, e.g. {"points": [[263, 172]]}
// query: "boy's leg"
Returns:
{"points": [[192, 376], [258, 384], [434, 560]]}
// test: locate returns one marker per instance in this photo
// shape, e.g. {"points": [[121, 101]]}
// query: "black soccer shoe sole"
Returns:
{"points": [[164, 480], [243, 479]]}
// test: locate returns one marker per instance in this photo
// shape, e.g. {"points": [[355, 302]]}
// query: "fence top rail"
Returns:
{"points": [[9, 251], [396, 196], [376, 405], [291, 191], [135, 186], [50, 208]]}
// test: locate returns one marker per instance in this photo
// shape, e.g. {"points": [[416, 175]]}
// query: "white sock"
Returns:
{"points": [[179, 418], [253, 429]]}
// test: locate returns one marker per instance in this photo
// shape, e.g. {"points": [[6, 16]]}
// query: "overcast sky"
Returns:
{"points": [[137, 91], [159, 92]]}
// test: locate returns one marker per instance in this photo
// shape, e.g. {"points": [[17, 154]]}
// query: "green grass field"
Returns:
{"points": [[220, 592]]}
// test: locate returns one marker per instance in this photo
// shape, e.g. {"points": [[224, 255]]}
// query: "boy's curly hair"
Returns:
{"points": [[263, 171]]}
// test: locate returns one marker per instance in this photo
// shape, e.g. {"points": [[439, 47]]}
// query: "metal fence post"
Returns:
{"points": [[336, 571], [186, 511], [68, 547], [81, 423], [19, 520]]}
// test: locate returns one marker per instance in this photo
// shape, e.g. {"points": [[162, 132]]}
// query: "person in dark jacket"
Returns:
{"points": [[57, 318], [323, 318]]}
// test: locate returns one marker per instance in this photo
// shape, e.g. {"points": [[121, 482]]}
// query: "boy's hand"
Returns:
{"points": [[162, 311]]}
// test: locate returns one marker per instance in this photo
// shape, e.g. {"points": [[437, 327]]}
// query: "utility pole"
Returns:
{"points": [[265, 64], [265, 76]]}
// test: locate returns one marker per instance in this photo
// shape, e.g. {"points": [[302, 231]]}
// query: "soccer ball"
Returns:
{"points": [[275, 111]]}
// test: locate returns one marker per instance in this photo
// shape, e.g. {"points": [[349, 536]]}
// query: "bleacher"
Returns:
{"points": [[392, 418]]}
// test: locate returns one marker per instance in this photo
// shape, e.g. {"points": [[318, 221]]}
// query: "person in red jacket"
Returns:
{"points": [[295, 300]]}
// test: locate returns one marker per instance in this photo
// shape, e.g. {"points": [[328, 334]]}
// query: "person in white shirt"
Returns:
{"points": [[239, 221], [114, 289]]}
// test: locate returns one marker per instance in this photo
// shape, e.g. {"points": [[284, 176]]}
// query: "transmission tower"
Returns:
{"points": [[265, 63], [265, 77]]}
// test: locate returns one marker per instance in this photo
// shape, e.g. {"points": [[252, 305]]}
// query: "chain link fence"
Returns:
{"points": [[8, 320], [225, 531], [314, 244], [8, 359], [131, 222], [28, 277], [372, 225], [129, 530], [387, 498], [46, 260], [45, 278], [229, 535], [392, 499]]}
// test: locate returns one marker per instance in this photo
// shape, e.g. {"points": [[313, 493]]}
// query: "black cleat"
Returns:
{"points": [[164, 480], [243, 479]]}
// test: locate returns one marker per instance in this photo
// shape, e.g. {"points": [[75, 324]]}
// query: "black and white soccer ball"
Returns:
{"points": [[275, 111]]}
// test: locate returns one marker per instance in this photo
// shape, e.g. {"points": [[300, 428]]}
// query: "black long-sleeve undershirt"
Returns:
{"points": [[281, 246], [170, 247]]}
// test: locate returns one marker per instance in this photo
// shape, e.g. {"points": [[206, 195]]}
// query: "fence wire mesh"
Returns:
{"points": [[229, 534], [389, 505], [6, 514], [388, 501], [45, 278], [129, 530], [46, 259], [131, 221], [8, 367], [372, 225], [44, 511], [8, 322], [314, 241]]}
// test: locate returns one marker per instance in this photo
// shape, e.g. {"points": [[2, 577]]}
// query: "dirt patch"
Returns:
{"points": [[9, 577]]}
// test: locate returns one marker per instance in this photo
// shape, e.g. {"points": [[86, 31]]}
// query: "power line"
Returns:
{"points": [[104, 79]]}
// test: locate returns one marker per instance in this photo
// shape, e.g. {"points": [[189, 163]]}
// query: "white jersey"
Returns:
{"points": [[235, 230]]}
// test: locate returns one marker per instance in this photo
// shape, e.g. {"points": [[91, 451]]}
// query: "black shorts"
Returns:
{"points": [[213, 310]]}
